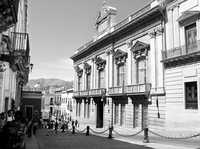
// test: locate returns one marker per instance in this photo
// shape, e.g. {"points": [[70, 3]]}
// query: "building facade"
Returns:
{"points": [[14, 52], [181, 61], [119, 74]]}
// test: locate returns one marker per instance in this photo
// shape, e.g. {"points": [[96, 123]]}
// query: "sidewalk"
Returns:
{"points": [[31, 143], [155, 141]]}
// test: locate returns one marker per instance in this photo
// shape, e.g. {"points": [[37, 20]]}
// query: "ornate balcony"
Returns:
{"points": [[115, 91], [81, 94], [182, 54], [8, 13], [137, 89], [140, 89], [97, 92]]}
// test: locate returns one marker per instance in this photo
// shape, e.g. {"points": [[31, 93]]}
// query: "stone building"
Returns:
{"points": [[119, 77], [14, 52], [182, 67]]}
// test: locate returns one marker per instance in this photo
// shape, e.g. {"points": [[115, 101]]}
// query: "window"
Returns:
{"points": [[116, 118], [191, 37], [122, 116], [141, 70], [79, 83], [88, 110], [88, 77], [85, 109], [135, 115], [191, 95], [120, 75], [101, 78]]}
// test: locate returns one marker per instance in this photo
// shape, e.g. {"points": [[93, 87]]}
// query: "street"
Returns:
{"points": [[79, 141]]}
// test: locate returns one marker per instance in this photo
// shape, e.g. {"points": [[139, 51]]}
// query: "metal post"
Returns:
{"points": [[73, 129], [88, 131], [146, 136], [110, 132]]}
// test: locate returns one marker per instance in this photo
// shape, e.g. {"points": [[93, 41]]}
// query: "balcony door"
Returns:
{"points": [[101, 83], [120, 75], [191, 38], [141, 71]]}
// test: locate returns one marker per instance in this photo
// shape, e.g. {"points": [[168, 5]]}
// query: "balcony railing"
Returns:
{"points": [[97, 92], [137, 89], [8, 13], [181, 51], [130, 89], [115, 90], [84, 93]]}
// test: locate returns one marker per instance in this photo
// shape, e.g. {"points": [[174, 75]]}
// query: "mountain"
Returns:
{"points": [[46, 83]]}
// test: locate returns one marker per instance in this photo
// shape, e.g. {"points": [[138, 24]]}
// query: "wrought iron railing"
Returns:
{"points": [[84, 93], [181, 50]]}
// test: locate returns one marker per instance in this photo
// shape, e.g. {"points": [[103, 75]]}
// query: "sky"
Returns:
{"points": [[58, 27]]}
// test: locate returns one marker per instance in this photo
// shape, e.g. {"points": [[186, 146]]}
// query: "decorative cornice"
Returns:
{"points": [[120, 57], [100, 63]]}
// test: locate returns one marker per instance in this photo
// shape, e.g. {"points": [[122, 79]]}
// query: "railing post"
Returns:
{"points": [[88, 131], [73, 129], [110, 132], [146, 136]]}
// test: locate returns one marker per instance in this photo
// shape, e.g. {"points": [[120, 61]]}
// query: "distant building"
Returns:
{"points": [[31, 104]]}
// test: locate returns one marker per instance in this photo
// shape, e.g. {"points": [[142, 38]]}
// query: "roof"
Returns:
{"points": [[120, 27]]}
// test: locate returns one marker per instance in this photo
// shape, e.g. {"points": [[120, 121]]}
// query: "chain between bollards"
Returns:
{"points": [[146, 135]]}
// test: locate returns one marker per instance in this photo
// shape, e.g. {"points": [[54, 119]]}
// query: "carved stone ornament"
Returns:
{"points": [[120, 57], [2, 67], [140, 49], [87, 68], [100, 63], [79, 71]]}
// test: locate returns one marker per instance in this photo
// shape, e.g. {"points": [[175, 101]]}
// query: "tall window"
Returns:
{"points": [[191, 37], [141, 70], [116, 118], [191, 95], [122, 116], [88, 110], [85, 107], [79, 83], [88, 78], [101, 78], [120, 75]]}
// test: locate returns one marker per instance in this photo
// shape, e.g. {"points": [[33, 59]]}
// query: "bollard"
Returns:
{"points": [[146, 136], [73, 129], [88, 130], [110, 132]]}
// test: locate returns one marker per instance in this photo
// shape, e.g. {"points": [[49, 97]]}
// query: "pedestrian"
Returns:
{"points": [[63, 127], [76, 123]]}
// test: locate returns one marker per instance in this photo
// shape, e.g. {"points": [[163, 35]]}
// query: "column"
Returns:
{"points": [[152, 59], [129, 59]]}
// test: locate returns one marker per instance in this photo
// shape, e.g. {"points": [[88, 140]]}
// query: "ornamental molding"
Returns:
{"points": [[100, 63], [2, 67], [120, 57], [79, 71], [87, 68], [140, 50]]}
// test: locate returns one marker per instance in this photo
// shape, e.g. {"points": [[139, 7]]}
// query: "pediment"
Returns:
{"points": [[100, 63], [188, 15], [79, 71], [140, 46], [119, 53], [87, 68]]}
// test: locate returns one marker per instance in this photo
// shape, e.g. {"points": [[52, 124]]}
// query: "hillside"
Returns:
{"points": [[45, 83]]}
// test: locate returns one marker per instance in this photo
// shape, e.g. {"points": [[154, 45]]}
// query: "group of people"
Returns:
{"points": [[63, 125]]}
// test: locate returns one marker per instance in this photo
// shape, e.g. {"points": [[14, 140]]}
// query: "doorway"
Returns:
{"points": [[29, 112], [99, 123]]}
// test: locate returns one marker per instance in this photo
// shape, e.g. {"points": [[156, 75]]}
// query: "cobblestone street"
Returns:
{"points": [[79, 141]]}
